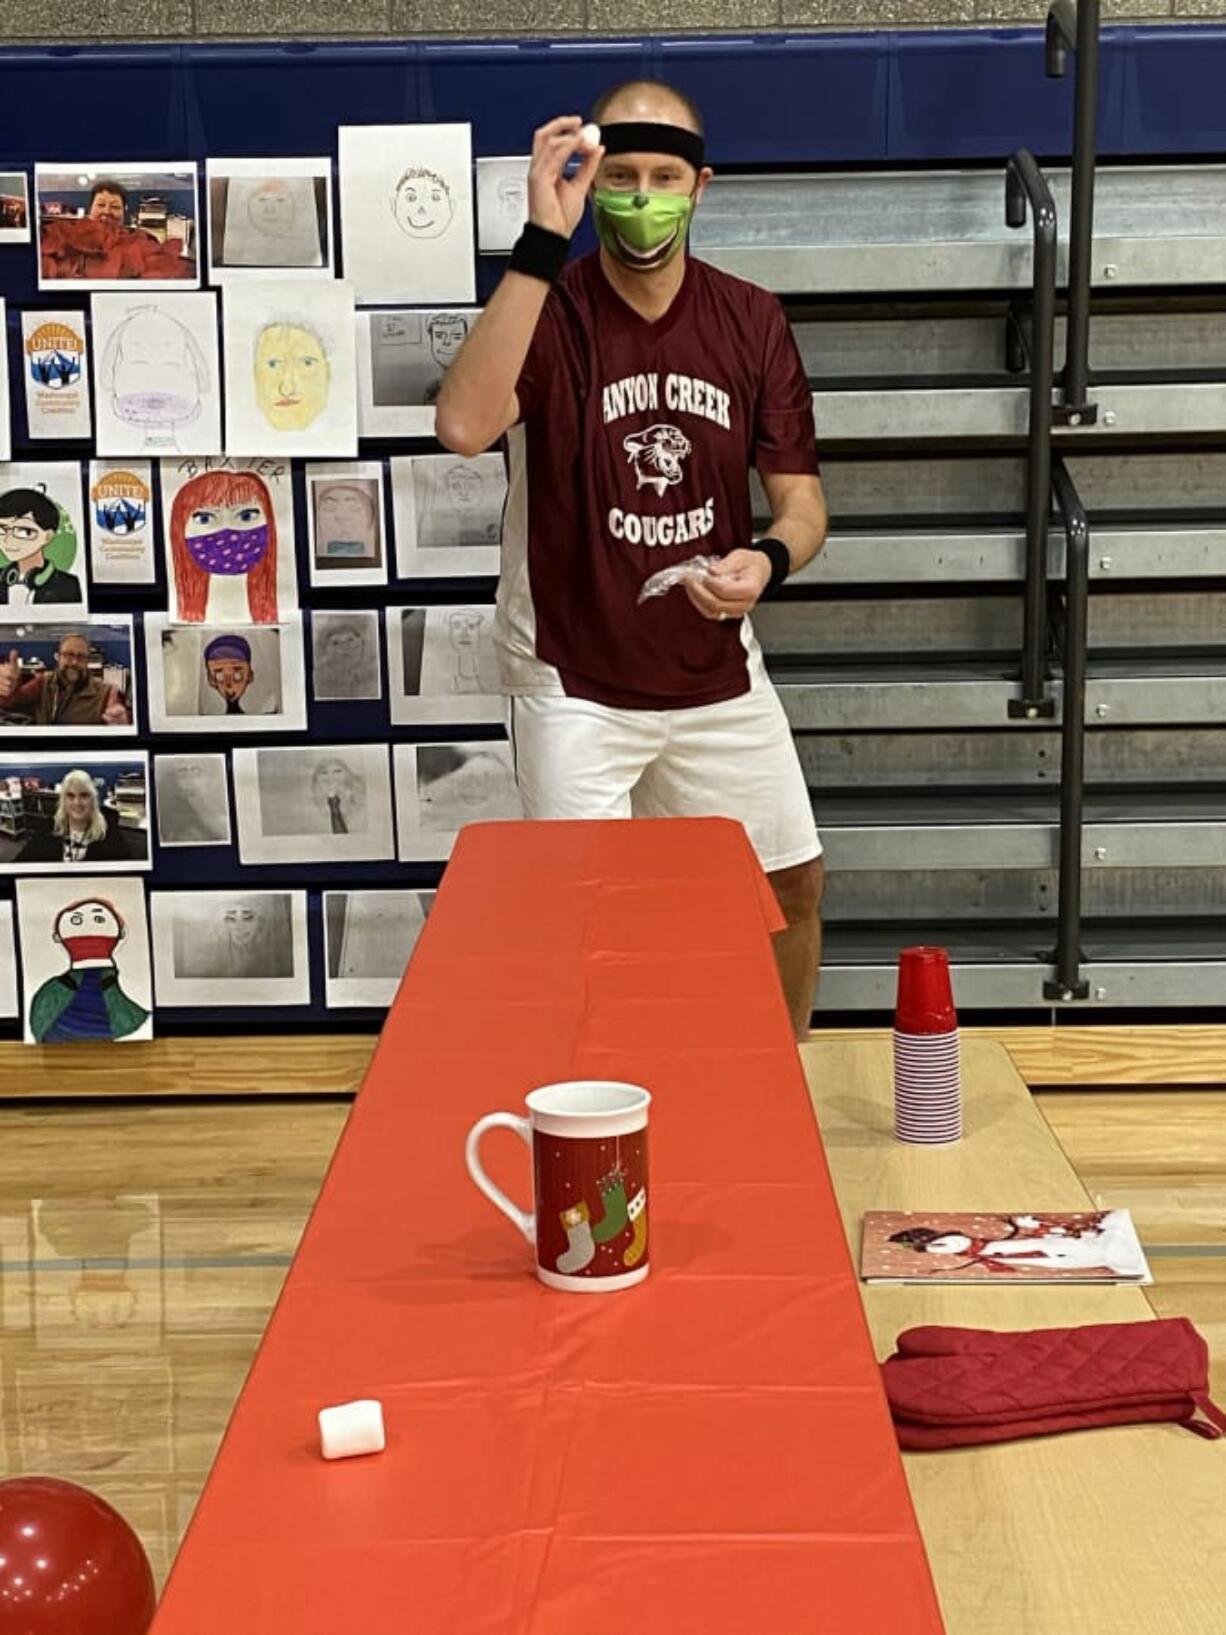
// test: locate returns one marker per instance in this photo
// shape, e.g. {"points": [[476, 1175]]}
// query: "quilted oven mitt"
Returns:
{"points": [[954, 1387]]}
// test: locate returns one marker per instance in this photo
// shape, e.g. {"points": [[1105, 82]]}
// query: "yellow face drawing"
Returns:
{"points": [[292, 376]]}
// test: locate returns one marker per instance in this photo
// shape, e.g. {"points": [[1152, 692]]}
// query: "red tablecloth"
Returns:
{"points": [[706, 1454]]}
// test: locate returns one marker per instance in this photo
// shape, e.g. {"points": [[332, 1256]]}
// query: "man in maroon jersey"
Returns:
{"points": [[636, 388]]}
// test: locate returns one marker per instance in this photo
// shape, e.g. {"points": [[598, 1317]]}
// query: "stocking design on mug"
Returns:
{"points": [[590, 1184], [583, 1186]]}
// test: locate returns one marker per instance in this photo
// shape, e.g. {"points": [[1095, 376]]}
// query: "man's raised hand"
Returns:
{"points": [[555, 200]]}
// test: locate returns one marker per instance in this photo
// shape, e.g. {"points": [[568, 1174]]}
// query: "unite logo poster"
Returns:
{"points": [[56, 374], [121, 521]]}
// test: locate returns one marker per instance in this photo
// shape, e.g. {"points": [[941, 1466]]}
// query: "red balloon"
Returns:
{"points": [[69, 1564]]}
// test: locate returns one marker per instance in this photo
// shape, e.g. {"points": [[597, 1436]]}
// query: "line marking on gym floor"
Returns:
{"points": [[151, 1263], [1191, 1249]]}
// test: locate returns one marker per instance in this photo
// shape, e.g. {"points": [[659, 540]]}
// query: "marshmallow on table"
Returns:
{"points": [[351, 1428]]}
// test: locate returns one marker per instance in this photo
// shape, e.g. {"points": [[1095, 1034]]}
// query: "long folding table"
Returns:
{"points": [[708, 1452]]}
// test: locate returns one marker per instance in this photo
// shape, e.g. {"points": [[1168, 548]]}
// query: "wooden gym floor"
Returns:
{"points": [[142, 1245]]}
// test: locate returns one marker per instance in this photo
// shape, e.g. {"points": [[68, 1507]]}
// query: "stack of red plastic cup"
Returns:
{"points": [[927, 1071]]}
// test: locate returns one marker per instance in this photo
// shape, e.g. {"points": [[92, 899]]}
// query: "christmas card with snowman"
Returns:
{"points": [[942, 1246]]}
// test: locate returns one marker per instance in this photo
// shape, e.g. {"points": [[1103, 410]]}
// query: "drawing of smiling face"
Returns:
{"points": [[422, 204], [292, 376], [271, 208]]}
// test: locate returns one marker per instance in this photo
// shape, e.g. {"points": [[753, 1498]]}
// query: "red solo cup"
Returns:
{"points": [[925, 1001]]}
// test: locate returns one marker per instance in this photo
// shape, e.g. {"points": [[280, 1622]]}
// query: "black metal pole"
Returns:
{"points": [[1068, 984], [1026, 184], [1067, 25]]}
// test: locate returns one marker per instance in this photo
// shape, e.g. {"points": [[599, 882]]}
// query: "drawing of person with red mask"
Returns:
{"points": [[222, 524], [86, 1001]]}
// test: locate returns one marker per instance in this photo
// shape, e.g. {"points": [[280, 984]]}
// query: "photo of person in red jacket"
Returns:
{"points": [[117, 227]]}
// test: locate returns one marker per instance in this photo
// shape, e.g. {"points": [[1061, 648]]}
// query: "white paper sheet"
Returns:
{"points": [[269, 215], [346, 523], [193, 801], [228, 540], [442, 667], [442, 787], [15, 227], [369, 938], [402, 357], [55, 359], [253, 682], [291, 384], [6, 444], [41, 833], [234, 947], [29, 708], [448, 514], [94, 932], [9, 1004], [121, 522], [42, 569], [407, 211], [502, 203], [141, 233], [324, 804], [158, 387]]}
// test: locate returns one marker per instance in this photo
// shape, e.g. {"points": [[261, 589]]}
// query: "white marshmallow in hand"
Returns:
{"points": [[590, 137], [351, 1428]]}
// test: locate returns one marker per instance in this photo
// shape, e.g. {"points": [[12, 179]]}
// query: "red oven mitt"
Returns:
{"points": [[953, 1387]]}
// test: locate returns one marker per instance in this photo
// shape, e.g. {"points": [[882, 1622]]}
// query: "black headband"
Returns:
{"points": [[646, 136]]}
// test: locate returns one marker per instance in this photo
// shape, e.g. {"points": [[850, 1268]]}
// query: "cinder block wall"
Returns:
{"points": [[46, 21]]}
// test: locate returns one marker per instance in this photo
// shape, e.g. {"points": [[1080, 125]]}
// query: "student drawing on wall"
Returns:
{"points": [[340, 795], [37, 546], [191, 805], [222, 523], [235, 937], [446, 333], [86, 1001], [347, 521], [422, 203], [464, 628], [156, 376], [81, 830], [460, 506], [457, 785], [293, 375], [229, 671], [344, 665]]}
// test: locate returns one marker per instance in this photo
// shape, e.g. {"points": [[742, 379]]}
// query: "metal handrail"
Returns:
{"points": [[1068, 983], [1074, 25], [1025, 185]]}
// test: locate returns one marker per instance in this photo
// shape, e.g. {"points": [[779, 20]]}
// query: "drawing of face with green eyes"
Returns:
{"points": [[292, 375]]}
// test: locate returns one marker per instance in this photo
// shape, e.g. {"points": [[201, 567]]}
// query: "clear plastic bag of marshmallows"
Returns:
{"points": [[659, 584]]}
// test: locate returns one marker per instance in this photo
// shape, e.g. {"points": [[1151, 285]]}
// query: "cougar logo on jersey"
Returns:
{"points": [[656, 455]]}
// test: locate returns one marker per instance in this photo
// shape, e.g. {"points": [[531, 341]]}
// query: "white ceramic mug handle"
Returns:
{"points": [[523, 1129]]}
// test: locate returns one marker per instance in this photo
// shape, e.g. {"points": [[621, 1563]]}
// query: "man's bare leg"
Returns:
{"points": [[798, 949]]}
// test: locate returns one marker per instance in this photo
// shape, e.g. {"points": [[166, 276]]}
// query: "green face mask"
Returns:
{"points": [[642, 230]]}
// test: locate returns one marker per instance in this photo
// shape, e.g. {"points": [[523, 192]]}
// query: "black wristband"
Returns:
{"points": [[781, 561], [539, 253]]}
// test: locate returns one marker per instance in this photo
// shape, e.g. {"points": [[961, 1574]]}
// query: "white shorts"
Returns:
{"points": [[576, 759]]}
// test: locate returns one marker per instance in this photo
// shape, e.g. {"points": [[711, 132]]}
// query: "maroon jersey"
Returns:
{"points": [[633, 452]]}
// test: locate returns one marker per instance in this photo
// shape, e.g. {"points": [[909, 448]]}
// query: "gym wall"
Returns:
{"points": [[39, 21]]}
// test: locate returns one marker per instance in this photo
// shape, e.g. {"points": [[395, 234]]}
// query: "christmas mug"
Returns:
{"points": [[589, 1163]]}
